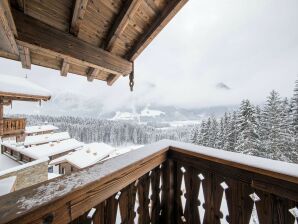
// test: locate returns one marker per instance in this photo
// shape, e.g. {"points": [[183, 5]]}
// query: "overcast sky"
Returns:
{"points": [[214, 52]]}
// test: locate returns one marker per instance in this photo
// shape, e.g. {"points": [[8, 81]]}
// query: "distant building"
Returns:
{"points": [[86, 156]]}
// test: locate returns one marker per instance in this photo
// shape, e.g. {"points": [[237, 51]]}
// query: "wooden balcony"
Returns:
{"points": [[13, 126], [166, 182]]}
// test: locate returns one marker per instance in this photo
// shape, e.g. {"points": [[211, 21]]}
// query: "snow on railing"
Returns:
{"points": [[75, 194]]}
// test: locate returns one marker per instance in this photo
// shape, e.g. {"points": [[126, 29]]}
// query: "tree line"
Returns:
{"points": [[270, 131], [111, 132]]}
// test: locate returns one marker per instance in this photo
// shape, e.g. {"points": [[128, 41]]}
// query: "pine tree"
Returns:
{"points": [[248, 139], [231, 132], [294, 123], [271, 126]]}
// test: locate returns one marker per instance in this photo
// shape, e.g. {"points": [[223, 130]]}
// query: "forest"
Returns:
{"points": [[270, 131], [112, 132]]}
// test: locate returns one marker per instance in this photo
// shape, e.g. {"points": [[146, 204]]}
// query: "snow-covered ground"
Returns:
{"points": [[7, 163]]}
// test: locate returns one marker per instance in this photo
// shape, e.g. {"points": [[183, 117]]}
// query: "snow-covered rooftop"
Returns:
{"points": [[87, 156], [50, 149], [7, 185], [40, 128], [45, 138], [7, 163], [21, 86]]}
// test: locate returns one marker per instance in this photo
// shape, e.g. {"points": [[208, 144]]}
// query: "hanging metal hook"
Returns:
{"points": [[131, 77]]}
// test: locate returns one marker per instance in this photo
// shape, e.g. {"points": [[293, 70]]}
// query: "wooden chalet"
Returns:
{"points": [[17, 89], [165, 182]]}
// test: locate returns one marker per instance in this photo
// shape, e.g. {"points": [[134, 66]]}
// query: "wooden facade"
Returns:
{"points": [[98, 39], [161, 184]]}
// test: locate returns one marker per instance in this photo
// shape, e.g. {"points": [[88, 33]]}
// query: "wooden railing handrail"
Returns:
{"points": [[14, 118], [69, 195], [72, 195]]}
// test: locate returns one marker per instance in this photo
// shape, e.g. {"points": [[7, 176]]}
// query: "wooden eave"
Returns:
{"points": [[98, 39], [8, 97]]}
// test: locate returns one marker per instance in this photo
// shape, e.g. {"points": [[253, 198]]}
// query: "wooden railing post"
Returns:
{"points": [[168, 185]]}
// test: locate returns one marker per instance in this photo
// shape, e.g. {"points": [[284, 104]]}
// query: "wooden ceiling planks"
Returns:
{"points": [[98, 39]]}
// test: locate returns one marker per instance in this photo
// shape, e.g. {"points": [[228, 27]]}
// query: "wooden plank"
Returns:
{"points": [[35, 34], [127, 11], [64, 68], [160, 22], [78, 16], [7, 29], [25, 57]]}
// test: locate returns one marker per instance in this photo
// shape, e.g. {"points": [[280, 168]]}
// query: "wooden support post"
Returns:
{"points": [[92, 73], [64, 68], [25, 57], [112, 79]]}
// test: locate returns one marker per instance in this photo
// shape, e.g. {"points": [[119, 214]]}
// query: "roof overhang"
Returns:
{"points": [[98, 39]]}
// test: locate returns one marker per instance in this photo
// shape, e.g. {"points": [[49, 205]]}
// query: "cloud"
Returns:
{"points": [[223, 86], [242, 43]]}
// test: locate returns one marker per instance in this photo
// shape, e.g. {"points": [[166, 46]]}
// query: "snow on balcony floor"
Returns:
{"points": [[45, 138], [13, 84]]}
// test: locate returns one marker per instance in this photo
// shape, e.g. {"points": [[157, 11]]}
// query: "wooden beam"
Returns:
{"points": [[128, 10], [25, 57], [160, 22], [92, 73], [7, 29], [35, 34], [78, 15], [64, 68], [112, 79]]}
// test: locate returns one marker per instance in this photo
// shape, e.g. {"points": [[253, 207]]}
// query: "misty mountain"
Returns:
{"points": [[69, 104]]}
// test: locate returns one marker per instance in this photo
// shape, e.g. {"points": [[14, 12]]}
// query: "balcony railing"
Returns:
{"points": [[166, 182], [12, 126]]}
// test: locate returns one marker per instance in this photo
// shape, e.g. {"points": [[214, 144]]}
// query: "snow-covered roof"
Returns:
{"points": [[40, 128], [12, 86], [50, 149], [7, 185], [23, 166], [45, 138], [7, 163], [87, 156]]}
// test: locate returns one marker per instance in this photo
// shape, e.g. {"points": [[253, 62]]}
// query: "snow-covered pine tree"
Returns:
{"points": [[287, 135], [194, 134], [214, 130], [231, 132], [271, 126], [248, 138], [294, 123]]}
